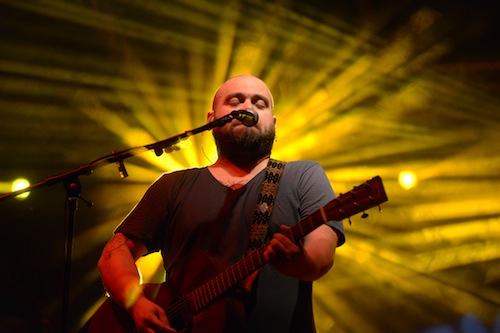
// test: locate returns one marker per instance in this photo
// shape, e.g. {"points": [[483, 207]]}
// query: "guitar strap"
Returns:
{"points": [[265, 201]]}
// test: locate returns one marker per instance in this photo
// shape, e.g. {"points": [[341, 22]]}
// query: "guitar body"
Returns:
{"points": [[226, 314]]}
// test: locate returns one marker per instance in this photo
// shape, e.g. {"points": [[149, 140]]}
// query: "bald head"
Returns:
{"points": [[244, 83]]}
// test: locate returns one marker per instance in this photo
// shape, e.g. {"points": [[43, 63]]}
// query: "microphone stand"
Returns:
{"points": [[73, 189]]}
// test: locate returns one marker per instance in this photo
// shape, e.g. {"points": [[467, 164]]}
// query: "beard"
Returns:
{"points": [[244, 146]]}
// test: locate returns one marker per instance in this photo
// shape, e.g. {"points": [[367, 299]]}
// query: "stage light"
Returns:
{"points": [[20, 184], [407, 179]]}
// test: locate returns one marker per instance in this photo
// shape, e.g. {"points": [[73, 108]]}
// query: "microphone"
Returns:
{"points": [[247, 117]]}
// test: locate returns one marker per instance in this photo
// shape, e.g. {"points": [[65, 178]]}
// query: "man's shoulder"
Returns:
{"points": [[181, 174], [302, 165], [302, 169]]}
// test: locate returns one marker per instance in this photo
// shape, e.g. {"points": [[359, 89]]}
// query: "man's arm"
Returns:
{"points": [[118, 270], [308, 262], [122, 281]]}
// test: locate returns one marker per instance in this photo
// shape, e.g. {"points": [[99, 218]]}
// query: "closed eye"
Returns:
{"points": [[260, 102], [234, 101]]}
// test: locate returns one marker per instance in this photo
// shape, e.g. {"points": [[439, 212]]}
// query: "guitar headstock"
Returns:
{"points": [[361, 197]]}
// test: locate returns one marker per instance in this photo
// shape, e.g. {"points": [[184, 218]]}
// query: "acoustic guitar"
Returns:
{"points": [[200, 304]]}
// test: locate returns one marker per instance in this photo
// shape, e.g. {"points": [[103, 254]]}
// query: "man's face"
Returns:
{"points": [[235, 139]]}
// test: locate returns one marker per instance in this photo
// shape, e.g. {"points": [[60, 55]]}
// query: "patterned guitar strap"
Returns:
{"points": [[265, 201]]}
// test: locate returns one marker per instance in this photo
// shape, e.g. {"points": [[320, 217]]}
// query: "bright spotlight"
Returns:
{"points": [[20, 184], [407, 179]]}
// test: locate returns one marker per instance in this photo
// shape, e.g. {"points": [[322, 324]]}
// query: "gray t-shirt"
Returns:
{"points": [[190, 211]]}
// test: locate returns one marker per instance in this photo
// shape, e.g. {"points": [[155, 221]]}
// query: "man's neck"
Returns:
{"points": [[227, 172]]}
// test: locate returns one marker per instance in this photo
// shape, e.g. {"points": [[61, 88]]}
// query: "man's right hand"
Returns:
{"points": [[149, 317]]}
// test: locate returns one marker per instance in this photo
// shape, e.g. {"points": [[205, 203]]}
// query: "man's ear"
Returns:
{"points": [[210, 116]]}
